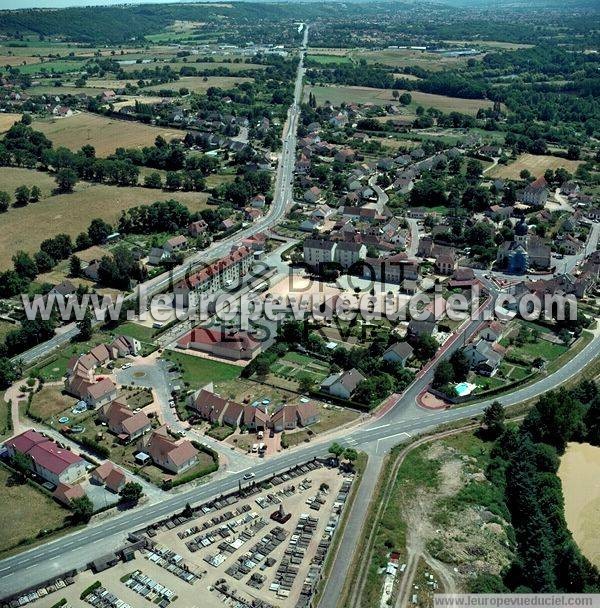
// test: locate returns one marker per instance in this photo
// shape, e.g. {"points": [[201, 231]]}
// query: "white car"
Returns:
{"points": [[126, 366], [249, 476]]}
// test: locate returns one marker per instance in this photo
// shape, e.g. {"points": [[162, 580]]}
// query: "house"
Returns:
{"points": [[176, 243], [484, 357], [492, 331], [462, 278], [313, 195], [346, 254], [445, 259], [417, 328], [569, 187], [174, 456], [536, 193], [47, 458], [123, 422], [122, 346], [234, 345], [318, 252], [91, 271], [255, 419], [197, 228], [308, 414], [157, 256], [258, 201], [215, 409], [345, 155], [255, 242], [400, 352], [284, 419], [343, 384], [109, 475], [98, 393], [63, 290], [65, 493], [392, 269]]}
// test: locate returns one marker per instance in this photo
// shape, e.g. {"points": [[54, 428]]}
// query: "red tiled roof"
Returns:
{"points": [[45, 452]]}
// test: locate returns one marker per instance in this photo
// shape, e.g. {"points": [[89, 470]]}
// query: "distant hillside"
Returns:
{"points": [[122, 23]]}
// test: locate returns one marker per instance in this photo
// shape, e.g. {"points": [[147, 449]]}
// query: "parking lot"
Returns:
{"points": [[265, 549]]}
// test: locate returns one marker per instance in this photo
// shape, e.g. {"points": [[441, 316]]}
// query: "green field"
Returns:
{"points": [[52, 67], [340, 59], [197, 371]]}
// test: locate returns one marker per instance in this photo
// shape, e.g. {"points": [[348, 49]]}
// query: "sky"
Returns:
{"points": [[13, 4]]}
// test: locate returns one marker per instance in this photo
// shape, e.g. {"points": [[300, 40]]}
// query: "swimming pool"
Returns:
{"points": [[464, 388]]}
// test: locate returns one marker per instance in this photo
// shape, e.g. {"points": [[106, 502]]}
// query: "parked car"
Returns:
{"points": [[249, 476]]}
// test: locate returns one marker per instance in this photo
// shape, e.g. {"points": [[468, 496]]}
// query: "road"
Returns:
{"points": [[376, 436], [282, 198]]}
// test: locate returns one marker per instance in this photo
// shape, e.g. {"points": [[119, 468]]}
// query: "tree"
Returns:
{"points": [[44, 261], [8, 372], [405, 99], [24, 265], [351, 455], [172, 180], [66, 179], [82, 508], [22, 463], [336, 449], [305, 382], [131, 493], [85, 327], [425, 347], [493, 420], [74, 266], [444, 374], [460, 365], [4, 201], [22, 196], [98, 231], [35, 194], [153, 180], [83, 241]]}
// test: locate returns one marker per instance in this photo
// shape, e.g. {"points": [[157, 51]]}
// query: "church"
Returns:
{"points": [[525, 252]]}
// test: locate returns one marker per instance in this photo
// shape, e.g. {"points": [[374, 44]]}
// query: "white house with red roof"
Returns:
{"points": [[49, 460]]}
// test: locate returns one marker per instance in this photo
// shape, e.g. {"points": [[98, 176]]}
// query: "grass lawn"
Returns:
{"points": [[135, 331], [36, 512], [105, 134], [541, 348], [55, 367], [49, 402], [330, 419], [220, 432], [341, 59], [197, 371], [5, 328], [5, 420], [13, 177]]}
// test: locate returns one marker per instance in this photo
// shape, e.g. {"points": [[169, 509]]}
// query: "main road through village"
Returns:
{"points": [[400, 421]]}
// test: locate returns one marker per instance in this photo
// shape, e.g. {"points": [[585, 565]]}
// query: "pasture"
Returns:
{"points": [[199, 84], [400, 58], [105, 134], [199, 65], [7, 119], [72, 213], [535, 164], [13, 177], [339, 94]]}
